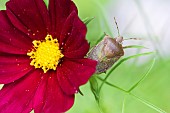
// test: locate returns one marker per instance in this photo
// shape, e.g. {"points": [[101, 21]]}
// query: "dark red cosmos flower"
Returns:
{"points": [[42, 53]]}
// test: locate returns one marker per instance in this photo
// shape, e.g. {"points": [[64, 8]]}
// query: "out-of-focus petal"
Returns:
{"points": [[29, 16]]}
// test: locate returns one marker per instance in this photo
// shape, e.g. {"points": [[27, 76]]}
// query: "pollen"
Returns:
{"points": [[46, 54]]}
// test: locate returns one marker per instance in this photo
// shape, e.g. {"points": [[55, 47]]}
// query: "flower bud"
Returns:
{"points": [[106, 52]]}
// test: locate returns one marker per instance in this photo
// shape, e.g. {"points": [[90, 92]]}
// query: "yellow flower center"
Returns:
{"points": [[46, 54]]}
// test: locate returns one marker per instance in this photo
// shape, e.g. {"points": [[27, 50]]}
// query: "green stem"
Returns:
{"points": [[112, 85]]}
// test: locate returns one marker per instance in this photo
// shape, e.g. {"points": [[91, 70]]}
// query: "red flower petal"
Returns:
{"points": [[77, 72], [73, 37], [17, 97], [40, 95], [29, 16], [13, 67], [79, 52], [55, 100], [25, 89], [59, 11], [12, 40], [65, 82]]}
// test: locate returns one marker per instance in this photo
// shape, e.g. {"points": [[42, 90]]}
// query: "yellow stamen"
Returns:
{"points": [[46, 54]]}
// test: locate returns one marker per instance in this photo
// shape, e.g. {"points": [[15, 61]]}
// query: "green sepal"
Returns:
{"points": [[94, 87]]}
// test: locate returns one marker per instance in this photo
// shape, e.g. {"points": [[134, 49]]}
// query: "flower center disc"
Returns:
{"points": [[46, 54]]}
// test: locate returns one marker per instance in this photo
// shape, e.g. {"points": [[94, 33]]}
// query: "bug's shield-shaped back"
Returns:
{"points": [[106, 53]]}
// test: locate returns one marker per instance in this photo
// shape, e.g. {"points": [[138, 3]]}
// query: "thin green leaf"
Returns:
{"points": [[120, 62], [144, 76], [148, 104], [123, 105], [141, 100], [128, 92], [88, 20], [112, 85], [134, 46]]}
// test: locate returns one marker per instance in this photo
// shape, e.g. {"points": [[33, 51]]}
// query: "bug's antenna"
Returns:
{"points": [[117, 26], [134, 39]]}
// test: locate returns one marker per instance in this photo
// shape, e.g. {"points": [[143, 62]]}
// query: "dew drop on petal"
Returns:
{"points": [[27, 90], [28, 34], [42, 77]]}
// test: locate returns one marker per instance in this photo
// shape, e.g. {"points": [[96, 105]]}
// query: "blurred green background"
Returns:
{"points": [[148, 20]]}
